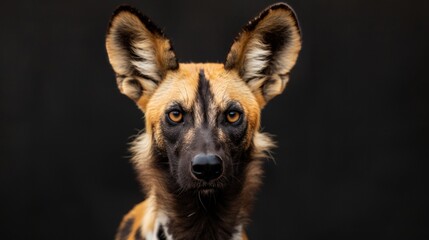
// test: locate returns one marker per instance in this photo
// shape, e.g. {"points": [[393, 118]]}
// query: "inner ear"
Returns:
{"points": [[266, 50]]}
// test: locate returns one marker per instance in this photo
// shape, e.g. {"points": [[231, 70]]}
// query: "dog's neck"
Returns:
{"points": [[198, 215], [202, 217], [164, 228]]}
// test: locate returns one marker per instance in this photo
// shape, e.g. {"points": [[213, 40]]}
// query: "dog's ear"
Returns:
{"points": [[139, 53], [266, 50]]}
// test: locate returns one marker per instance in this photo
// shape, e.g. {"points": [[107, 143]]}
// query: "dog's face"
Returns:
{"points": [[203, 119]]}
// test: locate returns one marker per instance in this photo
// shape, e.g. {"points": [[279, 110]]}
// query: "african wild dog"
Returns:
{"points": [[200, 157]]}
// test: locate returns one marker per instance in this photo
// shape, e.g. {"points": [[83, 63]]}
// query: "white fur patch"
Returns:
{"points": [[162, 220], [239, 234], [256, 59], [145, 50], [148, 219]]}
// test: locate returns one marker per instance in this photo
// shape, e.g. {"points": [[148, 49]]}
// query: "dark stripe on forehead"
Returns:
{"points": [[204, 95]]}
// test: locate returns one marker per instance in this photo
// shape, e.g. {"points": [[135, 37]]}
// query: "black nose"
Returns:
{"points": [[206, 167]]}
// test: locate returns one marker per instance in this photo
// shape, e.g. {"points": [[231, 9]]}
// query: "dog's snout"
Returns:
{"points": [[206, 167]]}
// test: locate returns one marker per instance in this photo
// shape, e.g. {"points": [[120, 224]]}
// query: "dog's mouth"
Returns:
{"points": [[207, 189]]}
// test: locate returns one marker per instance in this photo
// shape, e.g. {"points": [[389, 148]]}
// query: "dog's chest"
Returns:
{"points": [[161, 232]]}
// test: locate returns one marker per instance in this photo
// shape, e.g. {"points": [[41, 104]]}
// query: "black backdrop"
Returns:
{"points": [[352, 126]]}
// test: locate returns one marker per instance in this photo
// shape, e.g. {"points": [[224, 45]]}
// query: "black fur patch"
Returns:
{"points": [[175, 131], [125, 229], [139, 235], [276, 39], [161, 234], [205, 96], [236, 131]]}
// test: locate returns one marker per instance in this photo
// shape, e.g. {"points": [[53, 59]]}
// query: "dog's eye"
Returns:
{"points": [[175, 116], [233, 116]]}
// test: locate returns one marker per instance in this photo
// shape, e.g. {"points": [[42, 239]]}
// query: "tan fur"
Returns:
{"points": [[138, 215]]}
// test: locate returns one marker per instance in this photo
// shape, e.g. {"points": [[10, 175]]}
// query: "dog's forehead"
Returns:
{"points": [[181, 87]]}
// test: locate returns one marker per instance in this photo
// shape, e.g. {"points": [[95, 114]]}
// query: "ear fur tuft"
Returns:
{"points": [[266, 50]]}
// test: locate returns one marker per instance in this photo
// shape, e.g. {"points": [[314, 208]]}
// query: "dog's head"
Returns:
{"points": [[202, 120]]}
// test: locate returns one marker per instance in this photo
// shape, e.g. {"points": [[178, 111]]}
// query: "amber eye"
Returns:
{"points": [[175, 116], [232, 116]]}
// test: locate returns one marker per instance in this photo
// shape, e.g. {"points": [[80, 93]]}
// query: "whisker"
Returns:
{"points": [[201, 201]]}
